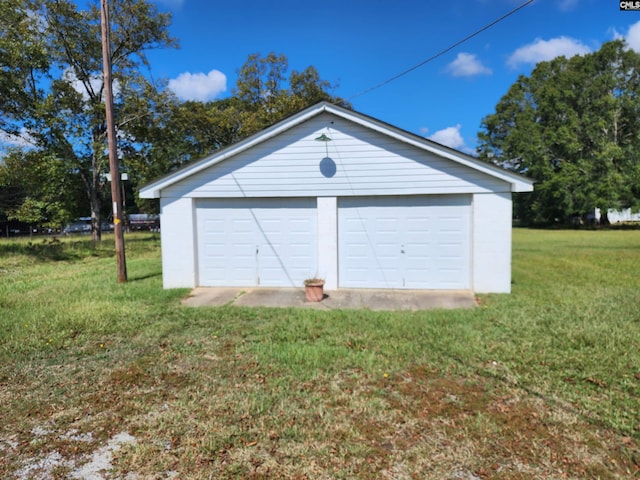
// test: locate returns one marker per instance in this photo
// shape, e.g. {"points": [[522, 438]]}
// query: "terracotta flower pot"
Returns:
{"points": [[314, 290]]}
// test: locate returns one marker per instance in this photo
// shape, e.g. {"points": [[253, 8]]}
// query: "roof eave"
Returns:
{"points": [[154, 188], [519, 183]]}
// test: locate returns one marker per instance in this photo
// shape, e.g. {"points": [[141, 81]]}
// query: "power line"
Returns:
{"points": [[442, 52]]}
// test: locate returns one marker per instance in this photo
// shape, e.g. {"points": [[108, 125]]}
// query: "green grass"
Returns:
{"points": [[542, 383]]}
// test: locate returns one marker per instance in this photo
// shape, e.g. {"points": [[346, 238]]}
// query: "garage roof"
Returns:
{"points": [[518, 182]]}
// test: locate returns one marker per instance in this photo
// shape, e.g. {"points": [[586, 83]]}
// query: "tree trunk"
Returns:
{"points": [[92, 183], [96, 204]]}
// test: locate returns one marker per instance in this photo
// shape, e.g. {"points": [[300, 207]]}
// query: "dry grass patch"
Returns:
{"points": [[215, 411], [106, 381]]}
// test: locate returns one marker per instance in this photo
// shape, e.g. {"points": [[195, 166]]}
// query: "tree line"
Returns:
{"points": [[52, 106], [573, 124]]}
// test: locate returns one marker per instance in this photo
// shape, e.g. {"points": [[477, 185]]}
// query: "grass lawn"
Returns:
{"points": [[540, 384]]}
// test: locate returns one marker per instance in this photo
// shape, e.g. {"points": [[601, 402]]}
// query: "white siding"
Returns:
{"points": [[328, 241], [433, 217], [364, 161], [178, 243], [492, 243]]}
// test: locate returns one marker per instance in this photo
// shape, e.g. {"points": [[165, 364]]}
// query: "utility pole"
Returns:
{"points": [[111, 140]]}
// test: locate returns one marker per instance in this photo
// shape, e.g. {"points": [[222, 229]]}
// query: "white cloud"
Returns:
{"points": [[95, 84], [198, 86], [467, 65], [450, 137], [566, 5], [633, 37], [22, 140], [544, 50]]}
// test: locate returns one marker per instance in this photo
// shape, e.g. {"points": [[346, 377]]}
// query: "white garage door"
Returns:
{"points": [[256, 242], [405, 242]]}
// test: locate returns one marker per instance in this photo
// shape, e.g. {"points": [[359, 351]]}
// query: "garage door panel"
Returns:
{"points": [[404, 242], [249, 242]]}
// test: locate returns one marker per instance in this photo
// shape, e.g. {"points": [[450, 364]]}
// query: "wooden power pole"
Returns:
{"points": [[111, 140]]}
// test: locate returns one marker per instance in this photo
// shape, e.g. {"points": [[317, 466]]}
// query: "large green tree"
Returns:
{"points": [[177, 132], [51, 83], [265, 90], [573, 125], [31, 186]]}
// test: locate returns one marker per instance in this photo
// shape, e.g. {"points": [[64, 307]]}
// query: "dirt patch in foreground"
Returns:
{"points": [[179, 420]]}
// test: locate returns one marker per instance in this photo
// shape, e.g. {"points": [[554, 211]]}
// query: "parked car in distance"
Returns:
{"points": [[80, 226]]}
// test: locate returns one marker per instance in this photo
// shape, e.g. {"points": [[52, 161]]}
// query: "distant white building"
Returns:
{"points": [[618, 216]]}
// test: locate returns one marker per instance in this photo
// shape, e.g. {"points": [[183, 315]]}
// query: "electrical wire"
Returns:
{"points": [[442, 52]]}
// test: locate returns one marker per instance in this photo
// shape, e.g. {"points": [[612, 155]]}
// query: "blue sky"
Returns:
{"points": [[357, 44]]}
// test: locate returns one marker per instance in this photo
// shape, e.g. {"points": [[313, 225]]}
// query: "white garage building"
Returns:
{"points": [[332, 193]]}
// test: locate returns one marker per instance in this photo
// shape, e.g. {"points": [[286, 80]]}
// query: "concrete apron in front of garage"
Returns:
{"points": [[369, 299]]}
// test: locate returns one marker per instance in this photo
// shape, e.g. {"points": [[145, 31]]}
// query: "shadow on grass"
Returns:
{"points": [[142, 237], [143, 277], [53, 249]]}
